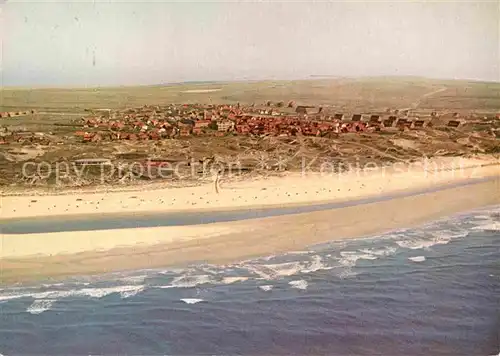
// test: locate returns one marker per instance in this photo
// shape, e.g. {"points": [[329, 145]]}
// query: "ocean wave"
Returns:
{"points": [[40, 305], [489, 225], [417, 258], [349, 258], [437, 238], [192, 300], [125, 292], [348, 262], [231, 280], [267, 272], [135, 279], [286, 269], [378, 252], [300, 284], [43, 301], [315, 265], [189, 281], [266, 288], [481, 217]]}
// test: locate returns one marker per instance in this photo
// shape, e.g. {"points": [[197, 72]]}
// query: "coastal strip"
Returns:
{"points": [[57, 255], [290, 189]]}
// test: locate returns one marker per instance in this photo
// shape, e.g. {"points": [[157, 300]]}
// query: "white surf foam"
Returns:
{"points": [[266, 288], [273, 271], [125, 292], [231, 280], [40, 305], [135, 279], [300, 284], [190, 281], [482, 217], [346, 273], [299, 252], [438, 238], [192, 300], [415, 244], [349, 258], [417, 258], [210, 270], [489, 226], [315, 265], [132, 292], [285, 269]]}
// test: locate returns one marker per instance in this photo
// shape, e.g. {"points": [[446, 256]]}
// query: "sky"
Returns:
{"points": [[102, 43]]}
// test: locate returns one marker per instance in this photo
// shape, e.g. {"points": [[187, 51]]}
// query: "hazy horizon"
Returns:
{"points": [[79, 44]]}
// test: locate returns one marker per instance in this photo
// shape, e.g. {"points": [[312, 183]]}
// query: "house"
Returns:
{"points": [[402, 123], [201, 123], [154, 135], [338, 117], [304, 110], [243, 129], [96, 138], [117, 125], [184, 131], [419, 123], [87, 137], [374, 120], [453, 123], [356, 117], [225, 125], [390, 121]]}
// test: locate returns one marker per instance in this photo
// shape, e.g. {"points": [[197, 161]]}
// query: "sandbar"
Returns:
{"points": [[58, 255]]}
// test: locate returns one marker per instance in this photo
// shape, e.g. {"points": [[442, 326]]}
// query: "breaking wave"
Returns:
{"points": [[417, 258], [296, 270]]}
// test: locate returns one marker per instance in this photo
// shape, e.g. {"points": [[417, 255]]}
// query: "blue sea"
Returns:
{"points": [[430, 290]]}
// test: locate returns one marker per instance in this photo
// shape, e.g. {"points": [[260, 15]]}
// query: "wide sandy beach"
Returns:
{"points": [[36, 256], [290, 189]]}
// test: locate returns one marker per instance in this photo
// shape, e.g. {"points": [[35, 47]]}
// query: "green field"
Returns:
{"points": [[362, 95]]}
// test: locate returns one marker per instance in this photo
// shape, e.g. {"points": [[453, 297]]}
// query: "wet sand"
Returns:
{"points": [[225, 242]]}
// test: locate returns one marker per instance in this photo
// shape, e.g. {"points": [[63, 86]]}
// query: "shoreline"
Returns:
{"points": [[219, 243], [113, 222], [292, 189]]}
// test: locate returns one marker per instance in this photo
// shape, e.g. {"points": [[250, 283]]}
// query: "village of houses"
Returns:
{"points": [[154, 123], [174, 121], [205, 129]]}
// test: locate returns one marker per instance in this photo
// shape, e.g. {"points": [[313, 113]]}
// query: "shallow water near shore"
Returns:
{"points": [[434, 290]]}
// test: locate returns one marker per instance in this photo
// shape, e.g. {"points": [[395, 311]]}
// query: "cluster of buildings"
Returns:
{"points": [[24, 138], [155, 122], [5, 114], [278, 119]]}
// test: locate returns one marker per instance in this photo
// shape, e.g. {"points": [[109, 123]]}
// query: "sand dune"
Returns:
{"points": [[293, 188]]}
